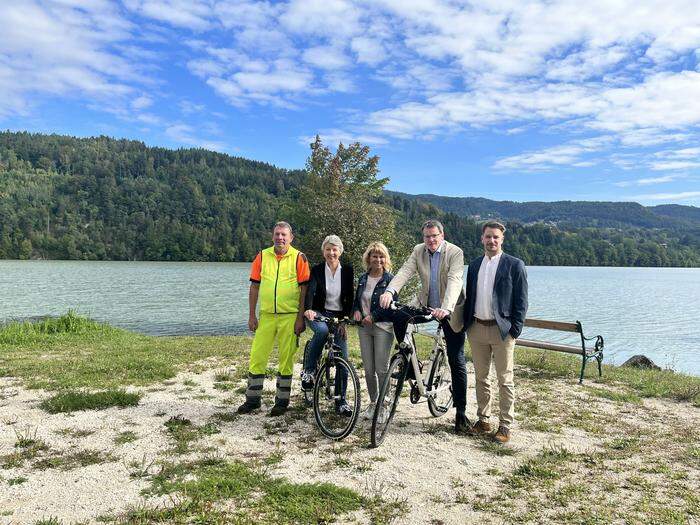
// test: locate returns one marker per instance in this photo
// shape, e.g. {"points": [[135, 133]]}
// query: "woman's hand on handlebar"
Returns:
{"points": [[357, 316], [367, 321], [310, 315]]}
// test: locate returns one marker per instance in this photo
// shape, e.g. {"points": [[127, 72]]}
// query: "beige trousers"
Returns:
{"points": [[486, 345]]}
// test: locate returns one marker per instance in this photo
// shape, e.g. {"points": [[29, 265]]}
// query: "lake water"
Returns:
{"points": [[651, 311]]}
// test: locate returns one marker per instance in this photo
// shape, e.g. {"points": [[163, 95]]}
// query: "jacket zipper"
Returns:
{"points": [[277, 279]]}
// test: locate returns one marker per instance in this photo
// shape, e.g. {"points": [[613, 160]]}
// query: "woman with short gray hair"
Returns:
{"points": [[330, 293]]}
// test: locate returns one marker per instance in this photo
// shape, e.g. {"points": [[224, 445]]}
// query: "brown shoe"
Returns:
{"points": [[481, 427], [502, 435]]}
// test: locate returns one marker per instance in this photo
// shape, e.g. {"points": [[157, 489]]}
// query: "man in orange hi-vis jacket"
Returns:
{"points": [[278, 278]]}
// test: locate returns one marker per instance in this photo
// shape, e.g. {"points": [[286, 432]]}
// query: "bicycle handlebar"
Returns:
{"points": [[336, 321], [416, 311]]}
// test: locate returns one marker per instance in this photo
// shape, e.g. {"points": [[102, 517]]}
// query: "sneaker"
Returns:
{"points": [[343, 410], [481, 427], [382, 418], [247, 407], [278, 410], [307, 381], [368, 413], [502, 435]]}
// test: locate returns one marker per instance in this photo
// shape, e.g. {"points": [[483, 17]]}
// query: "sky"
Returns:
{"points": [[505, 99]]}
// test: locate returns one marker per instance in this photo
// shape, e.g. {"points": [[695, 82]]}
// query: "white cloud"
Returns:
{"points": [[683, 195], [141, 102], [185, 134], [647, 181], [369, 50], [333, 137], [674, 165], [326, 57], [192, 14]]}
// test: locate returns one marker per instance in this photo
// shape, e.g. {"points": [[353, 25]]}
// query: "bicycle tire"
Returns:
{"points": [[325, 400], [440, 374], [388, 398]]}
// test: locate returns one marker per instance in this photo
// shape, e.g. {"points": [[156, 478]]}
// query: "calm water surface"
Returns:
{"points": [[653, 311]]}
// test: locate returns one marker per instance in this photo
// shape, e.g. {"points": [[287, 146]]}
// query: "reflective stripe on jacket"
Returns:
{"points": [[279, 289]]}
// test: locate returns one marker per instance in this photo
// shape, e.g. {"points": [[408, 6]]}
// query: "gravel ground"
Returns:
{"points": [[421, 465]]}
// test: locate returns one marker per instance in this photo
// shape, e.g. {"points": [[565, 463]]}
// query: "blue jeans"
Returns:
{"points": [[320, 330]]}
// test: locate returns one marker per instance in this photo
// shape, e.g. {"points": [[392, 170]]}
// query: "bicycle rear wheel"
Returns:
{"points": [[440, 377], [388, 399], [335, 376]]}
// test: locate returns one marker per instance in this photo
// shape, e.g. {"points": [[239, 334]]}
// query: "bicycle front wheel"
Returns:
{"points": [[440, 381], [336, 398], [388, 399]]}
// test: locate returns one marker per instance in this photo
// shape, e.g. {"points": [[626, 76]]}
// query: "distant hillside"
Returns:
{"points": [[576, 214], [101, 198]]}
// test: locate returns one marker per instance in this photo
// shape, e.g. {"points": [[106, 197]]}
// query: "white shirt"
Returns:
{"points": [[333, 289], [484, 287]]}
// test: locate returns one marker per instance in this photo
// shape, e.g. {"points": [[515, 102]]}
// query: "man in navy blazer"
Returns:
{"points": [[494, 315]]}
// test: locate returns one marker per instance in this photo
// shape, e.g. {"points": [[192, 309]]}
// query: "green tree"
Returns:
{"points": [[341, 196]]}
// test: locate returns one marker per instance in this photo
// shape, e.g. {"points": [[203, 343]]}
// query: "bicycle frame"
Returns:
{"points": [[413, 359]]}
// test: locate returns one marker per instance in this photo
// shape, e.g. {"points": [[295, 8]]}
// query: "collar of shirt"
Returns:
{"points": [[495, 258], [439, 249], [329, 273]]}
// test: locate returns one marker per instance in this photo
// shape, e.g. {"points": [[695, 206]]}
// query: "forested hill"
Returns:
{"points": [[106, 199], [574, 214]]}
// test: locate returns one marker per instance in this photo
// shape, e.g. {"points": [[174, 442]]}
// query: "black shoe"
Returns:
{"points": [[278, 410], [247, 407], [344, 410], [462, 425]]}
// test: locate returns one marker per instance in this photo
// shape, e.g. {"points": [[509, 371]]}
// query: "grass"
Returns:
{"points": [[183, 432], [125, 437], [72, 352], [644, 383], [201, 484], [73, 401]]}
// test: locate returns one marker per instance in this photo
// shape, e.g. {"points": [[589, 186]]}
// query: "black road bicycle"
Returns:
{"points": [[335, 383]]}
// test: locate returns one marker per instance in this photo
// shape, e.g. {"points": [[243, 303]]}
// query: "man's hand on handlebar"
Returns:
{"points": [[439, 313], [310, 315], [385, 299]]}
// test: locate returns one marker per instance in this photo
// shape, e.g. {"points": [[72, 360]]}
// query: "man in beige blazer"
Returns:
{"points": [[440, 266]]}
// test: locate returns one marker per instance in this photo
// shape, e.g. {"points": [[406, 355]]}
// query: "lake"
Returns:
{"points": [[651, 311]]}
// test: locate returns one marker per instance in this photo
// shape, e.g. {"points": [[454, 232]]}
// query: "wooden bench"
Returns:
{"points": [[586, 352]]}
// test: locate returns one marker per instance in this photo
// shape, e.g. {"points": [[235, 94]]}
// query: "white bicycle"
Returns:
{"points": [[435, 385]]}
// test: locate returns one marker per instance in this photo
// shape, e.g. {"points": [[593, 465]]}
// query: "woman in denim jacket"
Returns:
{"points": [[376, 333]]}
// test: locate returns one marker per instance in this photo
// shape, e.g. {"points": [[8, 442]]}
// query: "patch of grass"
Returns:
{"points": [[82, 458], [224, 417], [74, 432], [184, 432], [543, 468], [17, 481], [73, 352], [125, 437], [75, 400], [256, 497], [52, 520], [613, 395], [644, 382], [494, 448]]}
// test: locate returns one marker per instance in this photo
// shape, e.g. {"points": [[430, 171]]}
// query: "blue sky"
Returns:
{"points": [[504, 99]]}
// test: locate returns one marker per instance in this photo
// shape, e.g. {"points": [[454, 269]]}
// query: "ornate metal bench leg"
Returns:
{"points": [[583, 369], [599, 358]]}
